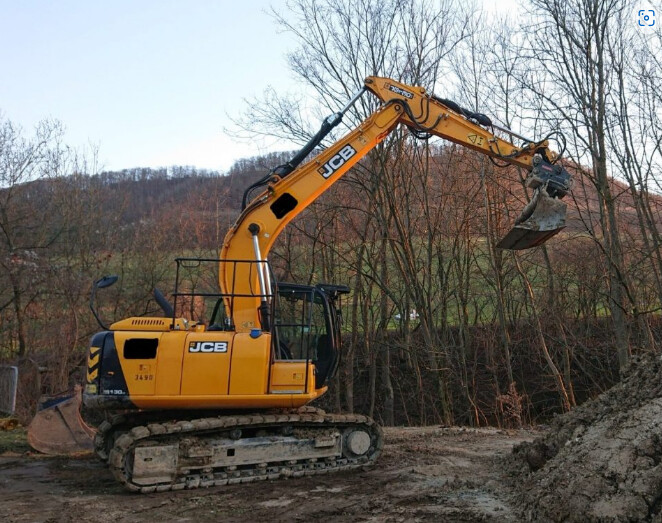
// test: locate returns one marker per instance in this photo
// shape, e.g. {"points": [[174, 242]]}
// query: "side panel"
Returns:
{"points": [[104, 365], [288, 376], [106, 388], [206, 365], [169, 363], [138, 364], [250, 364]]}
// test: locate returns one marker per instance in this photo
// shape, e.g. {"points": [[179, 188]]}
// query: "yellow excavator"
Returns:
{"points": [[194, 402]]}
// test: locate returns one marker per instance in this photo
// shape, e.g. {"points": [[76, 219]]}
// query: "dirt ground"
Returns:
{"points": [[603, 460], [424, 474]]}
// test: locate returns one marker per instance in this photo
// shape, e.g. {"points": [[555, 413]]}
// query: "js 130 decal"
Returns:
{"points": [[399, 90]]}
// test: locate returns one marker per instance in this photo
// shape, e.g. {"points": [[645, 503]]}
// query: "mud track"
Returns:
{"points": [[424, 474]]}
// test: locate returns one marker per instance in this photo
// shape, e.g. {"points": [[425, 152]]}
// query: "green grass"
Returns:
{"points": [[14, 441]]}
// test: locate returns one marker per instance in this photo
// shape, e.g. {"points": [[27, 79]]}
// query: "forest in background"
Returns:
{"points": [[498, 337]]}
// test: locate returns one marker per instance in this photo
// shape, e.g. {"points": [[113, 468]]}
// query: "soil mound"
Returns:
{"points": [[600, 462]]}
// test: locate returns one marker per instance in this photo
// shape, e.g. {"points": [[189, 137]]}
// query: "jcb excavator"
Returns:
{"points": [[190, 403]]}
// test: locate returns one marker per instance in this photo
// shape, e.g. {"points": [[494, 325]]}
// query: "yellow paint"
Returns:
{"points": [[244, 376], [286, 375], [169, 363], [241, 401], [149, 324], [250, 364], [306, 183], [206, 373], [137, 379], [178, 378]]}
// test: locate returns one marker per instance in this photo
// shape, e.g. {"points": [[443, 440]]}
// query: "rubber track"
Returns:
{"points": [[232, 475]]}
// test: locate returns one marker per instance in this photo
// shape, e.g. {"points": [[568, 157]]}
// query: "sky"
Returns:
{"points": [[150, 82]]}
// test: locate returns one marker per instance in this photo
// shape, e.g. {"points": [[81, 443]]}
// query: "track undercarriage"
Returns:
{"points": [[160, 455]]}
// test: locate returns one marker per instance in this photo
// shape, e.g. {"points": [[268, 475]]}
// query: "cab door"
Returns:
{"points": [[303, 347]]}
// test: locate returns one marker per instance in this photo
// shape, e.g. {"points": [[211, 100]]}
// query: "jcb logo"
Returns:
{"points": [[337, 161], [208, 346]]}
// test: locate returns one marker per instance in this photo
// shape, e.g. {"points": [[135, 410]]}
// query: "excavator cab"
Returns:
{"points": [[307, 326]]}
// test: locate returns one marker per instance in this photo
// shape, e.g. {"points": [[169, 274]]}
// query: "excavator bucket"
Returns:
{"points": [[58, 428], [542, 218]]}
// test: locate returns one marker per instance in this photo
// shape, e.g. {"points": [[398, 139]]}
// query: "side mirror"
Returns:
{"points": [[101, 283]]}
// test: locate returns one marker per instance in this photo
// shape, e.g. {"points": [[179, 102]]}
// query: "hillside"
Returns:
{"points": [[210, 201], [413, 237]]}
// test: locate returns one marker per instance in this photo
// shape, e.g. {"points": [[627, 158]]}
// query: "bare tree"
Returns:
{"points": [[26, 225], [635, 139], [569, 40], [340, 43]]}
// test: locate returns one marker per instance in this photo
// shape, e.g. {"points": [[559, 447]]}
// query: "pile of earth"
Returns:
{"points": [[601, 461]]}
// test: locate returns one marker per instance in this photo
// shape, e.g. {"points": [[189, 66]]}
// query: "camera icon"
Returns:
{"points": [[646, 17]]}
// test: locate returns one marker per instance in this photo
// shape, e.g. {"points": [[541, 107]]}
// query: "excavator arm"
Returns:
{"points": [[292, 187]]}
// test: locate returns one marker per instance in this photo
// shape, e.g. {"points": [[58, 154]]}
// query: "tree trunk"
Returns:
{"points": [[560, 386]]}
